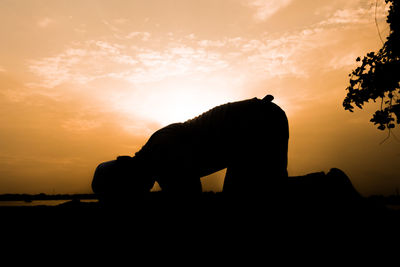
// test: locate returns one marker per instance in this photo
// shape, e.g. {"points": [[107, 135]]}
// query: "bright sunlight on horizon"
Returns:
{"points": [[82, 82]]}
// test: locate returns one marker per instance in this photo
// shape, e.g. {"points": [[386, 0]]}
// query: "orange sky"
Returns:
{"points": [[84, 81]]}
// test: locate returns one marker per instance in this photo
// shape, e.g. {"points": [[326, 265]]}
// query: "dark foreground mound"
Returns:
{"points": [[159, 210], [310, 207], [161, 228]]}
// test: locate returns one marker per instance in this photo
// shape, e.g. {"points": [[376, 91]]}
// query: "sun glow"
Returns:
{"points": [[177, 100], [177, 106]]}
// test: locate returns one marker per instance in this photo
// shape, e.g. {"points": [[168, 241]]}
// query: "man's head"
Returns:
{"points": [[122, 178]]}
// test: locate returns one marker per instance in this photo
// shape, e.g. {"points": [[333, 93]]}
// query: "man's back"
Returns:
{"points": [[208, 142]]}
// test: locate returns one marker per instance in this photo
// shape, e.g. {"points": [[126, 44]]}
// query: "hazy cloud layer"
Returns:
{"points": [[266, 8]]}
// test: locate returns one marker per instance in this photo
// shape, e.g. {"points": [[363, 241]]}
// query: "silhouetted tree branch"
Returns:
{"points": [[378, 76]]}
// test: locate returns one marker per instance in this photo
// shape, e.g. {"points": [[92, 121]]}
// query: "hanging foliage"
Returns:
{"points": [[378, 76]]}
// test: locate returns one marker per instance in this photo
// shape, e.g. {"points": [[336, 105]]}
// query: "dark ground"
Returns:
{"points": [[212, 227], [210, 209]]}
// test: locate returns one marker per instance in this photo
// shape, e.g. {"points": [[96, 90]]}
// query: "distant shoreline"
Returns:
{"points": [[387, 200], [43, 196]]}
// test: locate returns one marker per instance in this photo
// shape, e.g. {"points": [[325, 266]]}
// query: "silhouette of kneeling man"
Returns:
{"points": [[249, 138]]}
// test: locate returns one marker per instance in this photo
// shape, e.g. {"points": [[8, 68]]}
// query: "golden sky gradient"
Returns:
{"points": [[84, 81]]}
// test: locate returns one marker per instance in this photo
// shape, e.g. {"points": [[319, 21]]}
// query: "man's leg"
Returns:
{"points": [[256, 176]]}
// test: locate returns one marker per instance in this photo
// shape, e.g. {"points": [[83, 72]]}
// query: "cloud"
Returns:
{"points": [[180, 60], [355, 13], [140, 57], [211, 43], [57, 69], [93, 60], [267, 8], [80, 64], [2, 69], [44, 22], [144, 36], [349, 16], [121, 21], [87, 61], [342, 60], [110, 26], [13, 95], [329, 44], [268, 56]]}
